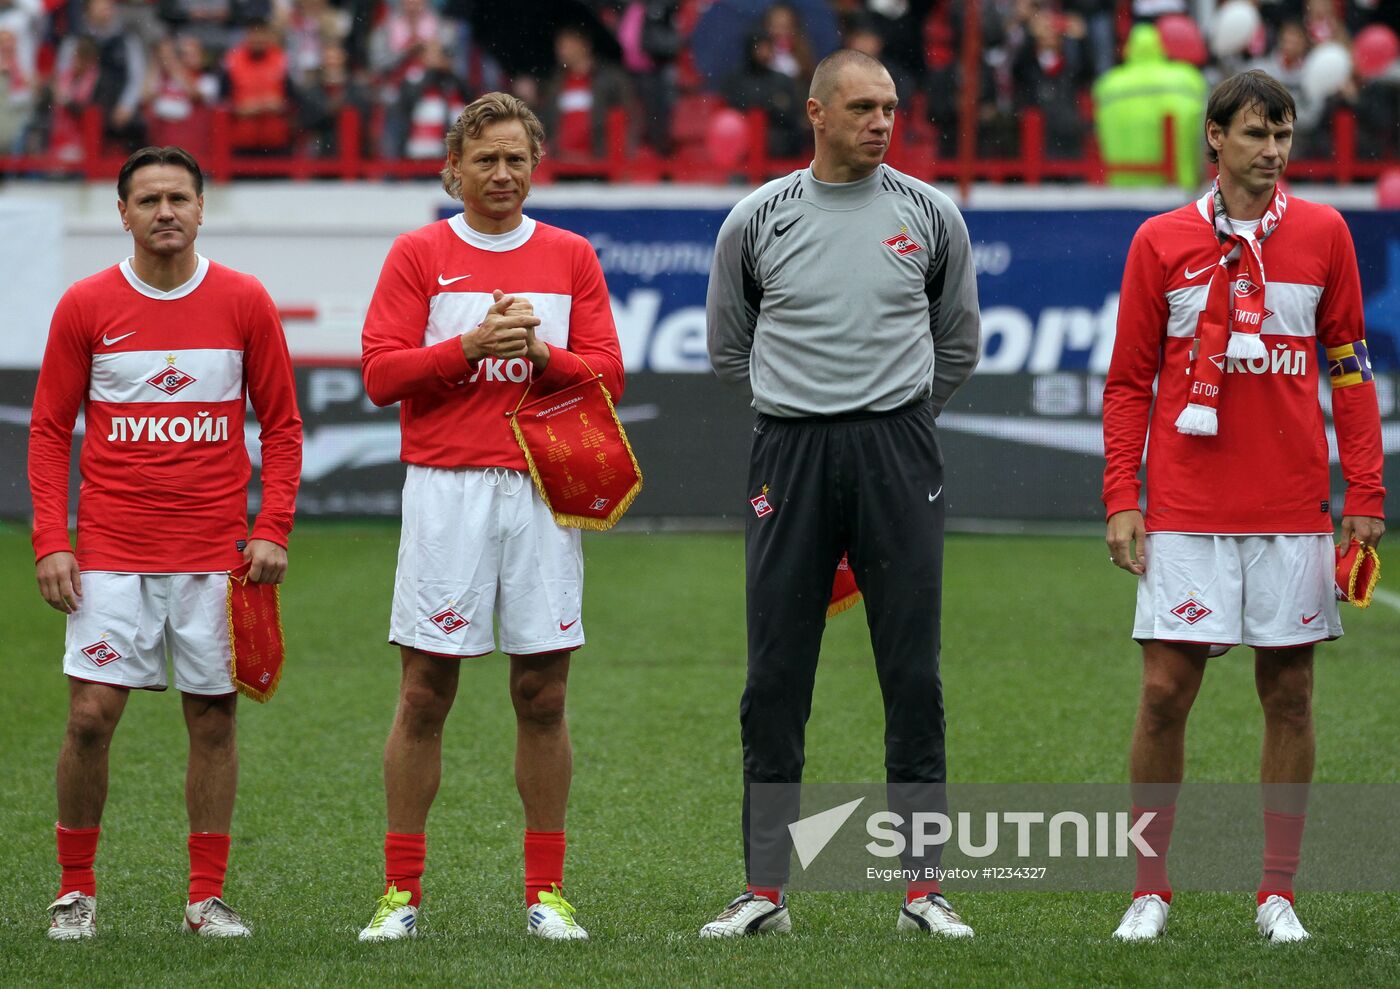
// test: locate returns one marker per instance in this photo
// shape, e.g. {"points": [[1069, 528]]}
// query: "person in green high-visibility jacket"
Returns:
{"points": [[1132, 100]]}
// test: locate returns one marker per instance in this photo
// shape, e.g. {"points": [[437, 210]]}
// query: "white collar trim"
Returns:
{"points": [[507, 241], [201, 269]]}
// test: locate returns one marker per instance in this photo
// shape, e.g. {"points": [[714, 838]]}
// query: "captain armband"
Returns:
{"points": [[1349, 364]]}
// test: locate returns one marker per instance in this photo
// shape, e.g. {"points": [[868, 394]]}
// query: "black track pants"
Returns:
{"points": [[872, 486]]}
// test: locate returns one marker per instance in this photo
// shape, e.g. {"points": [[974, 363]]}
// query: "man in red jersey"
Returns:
{"points": [[1224, 303], [165, 349], [468, 313]]}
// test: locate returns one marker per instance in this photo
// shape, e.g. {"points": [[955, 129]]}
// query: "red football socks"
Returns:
{"points": [[774, 894], [1157, 834], [544, 863], [1283, 840], [404, 855], [77, 850], [208, 864], [921, 887]]}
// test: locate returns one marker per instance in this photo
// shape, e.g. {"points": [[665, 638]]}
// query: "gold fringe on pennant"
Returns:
{"points": [[1361, 596], [248, 690], [584, 521], [845, 604]]}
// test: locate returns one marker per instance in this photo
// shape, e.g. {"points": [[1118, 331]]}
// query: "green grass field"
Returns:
{"points": [[1040, 681]]}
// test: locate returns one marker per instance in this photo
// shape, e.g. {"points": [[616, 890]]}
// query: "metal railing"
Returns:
{"points": [[913, 150]]}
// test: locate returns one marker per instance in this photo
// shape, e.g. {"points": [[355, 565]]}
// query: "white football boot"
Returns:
{"points": [[72, 917], [750, 914], [393, 917], [1277, 921], [1146, 919], [214, 918], [932, 914], [553, 919]]}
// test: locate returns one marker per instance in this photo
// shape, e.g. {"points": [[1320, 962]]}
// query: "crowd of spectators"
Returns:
{"points": [[284, 70]]}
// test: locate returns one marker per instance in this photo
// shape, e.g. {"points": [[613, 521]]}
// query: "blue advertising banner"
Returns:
{"points": [[1048, 283]]}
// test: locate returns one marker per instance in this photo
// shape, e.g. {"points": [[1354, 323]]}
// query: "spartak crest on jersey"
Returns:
{"points": [[901, 243], [170, 378]]}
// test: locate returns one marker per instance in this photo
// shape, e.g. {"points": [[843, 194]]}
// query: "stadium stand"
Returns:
{"points": [[358, 88]]}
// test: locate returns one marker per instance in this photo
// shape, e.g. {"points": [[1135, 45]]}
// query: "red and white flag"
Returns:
{"points": [[256, 646]]}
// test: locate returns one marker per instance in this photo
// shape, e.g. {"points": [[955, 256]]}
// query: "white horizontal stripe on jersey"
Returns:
{"points": [[1293, 309], [193, 376], [450, 314]]}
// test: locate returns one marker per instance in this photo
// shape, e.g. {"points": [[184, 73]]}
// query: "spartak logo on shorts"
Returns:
{"points": [[902, 244], [1191, 611], [761, 505], [449, 621], [170, 379], [101, 653]]}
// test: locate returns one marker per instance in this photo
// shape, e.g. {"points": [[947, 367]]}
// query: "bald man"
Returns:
{"points": [[843, 296]]}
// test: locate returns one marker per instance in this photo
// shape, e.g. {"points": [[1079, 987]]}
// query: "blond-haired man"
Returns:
{"points": [[467, 313]]}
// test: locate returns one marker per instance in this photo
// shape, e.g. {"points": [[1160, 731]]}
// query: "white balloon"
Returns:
{"points": [[1233, 28], [1326, 70]]}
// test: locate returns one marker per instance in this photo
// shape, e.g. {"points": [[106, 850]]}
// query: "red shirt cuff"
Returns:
{"points": [[1368, 505], [271, 531], [563, 369], [1120, 501], [51, 541], [449, 360]]}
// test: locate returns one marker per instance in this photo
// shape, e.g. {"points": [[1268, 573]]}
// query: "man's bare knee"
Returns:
{"points": [[1284, 680], [539, 699], [1166, 702], [211, 721], [1287, 702], [426, 692], [423, 706], [91, 725]]}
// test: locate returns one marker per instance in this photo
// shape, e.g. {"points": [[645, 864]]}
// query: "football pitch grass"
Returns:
{"points": [[1040, 684]]}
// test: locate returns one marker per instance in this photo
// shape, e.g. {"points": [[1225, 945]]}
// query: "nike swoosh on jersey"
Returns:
{"points": [[779, 231], [449, 281], [1193, 274], [565, 628], [934, 496], [108, 341], [1307, 619]]}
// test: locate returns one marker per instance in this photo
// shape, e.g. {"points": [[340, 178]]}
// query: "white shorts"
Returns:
{"points": [[1264, 591], [127, 624], [478, 543]]}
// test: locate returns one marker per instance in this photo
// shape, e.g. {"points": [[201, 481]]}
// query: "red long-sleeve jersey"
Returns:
{"points": [[436, 284], [165, 377], [1266, 470]]}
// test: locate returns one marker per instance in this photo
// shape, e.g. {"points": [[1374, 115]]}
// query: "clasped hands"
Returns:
{"points": [[507, 332]]}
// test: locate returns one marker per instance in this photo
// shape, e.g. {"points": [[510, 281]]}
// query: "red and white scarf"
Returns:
{"points": [[1234, 309]]}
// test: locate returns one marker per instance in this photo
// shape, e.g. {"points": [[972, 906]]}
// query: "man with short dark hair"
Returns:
{"points": [[843, 296], [1224, 303], [443, 338], [163, 351]]}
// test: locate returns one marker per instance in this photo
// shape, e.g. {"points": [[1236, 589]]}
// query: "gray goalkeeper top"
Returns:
{"points": [[830, 298]]}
